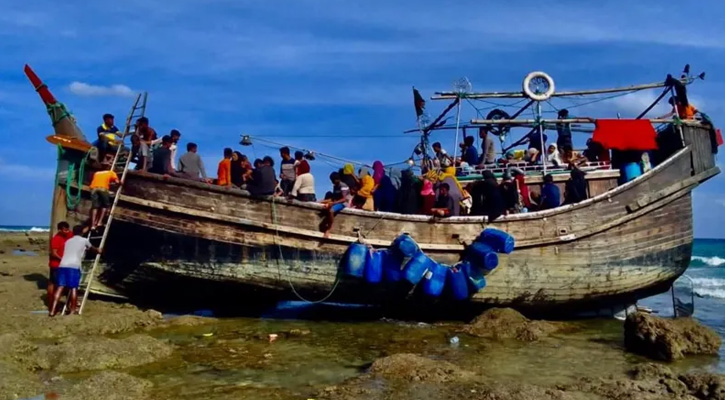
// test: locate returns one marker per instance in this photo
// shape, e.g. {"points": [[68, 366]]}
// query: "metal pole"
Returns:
{"points": [[542, 156], [458, 123]]}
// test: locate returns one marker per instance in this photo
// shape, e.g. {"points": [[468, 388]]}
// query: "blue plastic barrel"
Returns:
{"points": [[356, 259], [416, 267], [404, 246], [631, 170], [482, 256], [457, 282], [374, 267], [500, 241], [476, 279], [392, 266], [435, 280]]}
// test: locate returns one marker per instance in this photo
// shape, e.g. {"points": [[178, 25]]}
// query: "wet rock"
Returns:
{"points": [[411, 367], [87, 354], [506, 323], [110, 385], [17, 383], [190, 320], [668, 339], [154, 314], [650, 371], [297, 332], [705, 386]]}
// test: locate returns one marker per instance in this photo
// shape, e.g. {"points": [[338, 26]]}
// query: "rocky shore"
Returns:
{"points": [[117, 351]]}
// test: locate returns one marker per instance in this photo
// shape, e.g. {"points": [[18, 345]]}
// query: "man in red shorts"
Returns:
{"points": [[56, 254]]}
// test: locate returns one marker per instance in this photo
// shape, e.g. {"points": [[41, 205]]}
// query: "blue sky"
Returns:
{"points": [[334, 76]]}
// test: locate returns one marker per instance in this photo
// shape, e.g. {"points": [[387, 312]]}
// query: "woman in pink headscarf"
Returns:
{"points": [[378, 172], [428, 198]]}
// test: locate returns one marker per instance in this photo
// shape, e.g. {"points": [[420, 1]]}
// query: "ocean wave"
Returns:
{"points": [[708, 283], [34, 229], [710, 261], [711, 292]]}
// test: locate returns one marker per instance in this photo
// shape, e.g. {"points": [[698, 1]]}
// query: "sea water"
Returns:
{"points": [[24, 228], [707, 271]]}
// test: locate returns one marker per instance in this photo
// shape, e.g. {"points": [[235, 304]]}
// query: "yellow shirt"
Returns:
{"points": [[103, 179]]}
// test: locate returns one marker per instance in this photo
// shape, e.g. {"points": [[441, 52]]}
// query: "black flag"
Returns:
{"points": [[418, 102]]}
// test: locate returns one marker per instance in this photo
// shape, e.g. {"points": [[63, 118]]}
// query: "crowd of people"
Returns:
{"points": [[435, 191]]}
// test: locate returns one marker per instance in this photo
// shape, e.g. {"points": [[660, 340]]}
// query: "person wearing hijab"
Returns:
{"points": [[509, 193], [378, 172], [347, 176], [365, 191], [575, 189], [408, 193], [304, 186], [520, 180], [395, 176], [384, 194], [552, 156], [487, 199], [428, 197], [237, 170]]}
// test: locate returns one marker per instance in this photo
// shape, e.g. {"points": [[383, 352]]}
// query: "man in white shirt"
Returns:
{"points": [[175, 136], [444, 159], [69, 269]]}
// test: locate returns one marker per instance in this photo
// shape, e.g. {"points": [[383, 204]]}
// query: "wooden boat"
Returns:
{"points": [[625, 242]]}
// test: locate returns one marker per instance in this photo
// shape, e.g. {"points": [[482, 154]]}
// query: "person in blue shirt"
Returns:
{"points": [[471, 154], [550, 194], [108, 136]]}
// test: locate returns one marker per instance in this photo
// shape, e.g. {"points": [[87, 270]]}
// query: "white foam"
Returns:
{"points": [[34, 229], [708, 292], [708, 282], [711, 261]]}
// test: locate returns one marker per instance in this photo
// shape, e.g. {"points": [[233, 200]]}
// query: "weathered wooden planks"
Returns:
{"points": [[623, 243]]}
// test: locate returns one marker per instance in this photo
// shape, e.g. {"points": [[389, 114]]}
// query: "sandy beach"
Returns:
{"points": [[117, 351]]}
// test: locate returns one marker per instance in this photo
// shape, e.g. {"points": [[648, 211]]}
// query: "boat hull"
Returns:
{"points": [[174, 236]]}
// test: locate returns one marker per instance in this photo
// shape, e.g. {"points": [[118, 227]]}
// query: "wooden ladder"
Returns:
{"points": [[137, 111]]}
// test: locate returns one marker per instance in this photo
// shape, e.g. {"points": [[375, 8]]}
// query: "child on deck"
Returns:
{"points": [[69, 269], [337, 200]]}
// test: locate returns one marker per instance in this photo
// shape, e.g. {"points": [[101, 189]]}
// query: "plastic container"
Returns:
{"points": [[417, 266], [457, 282], [392, 266], [500, 241], [631, 170], [476, 279], [374, 268], [435, 280], [404, 246], [482, 256], [355, 259]]}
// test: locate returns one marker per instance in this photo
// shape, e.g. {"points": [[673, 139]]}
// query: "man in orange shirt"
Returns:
{"points": [[682, 111], [100, 198], [56, 254], [224, 172]]}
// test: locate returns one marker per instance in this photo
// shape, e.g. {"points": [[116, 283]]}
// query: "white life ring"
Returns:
{"points": [[538, 86]]}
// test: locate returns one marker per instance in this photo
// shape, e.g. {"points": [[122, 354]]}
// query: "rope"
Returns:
{"points": [[281, 259], [72, 200], [58, 106]]}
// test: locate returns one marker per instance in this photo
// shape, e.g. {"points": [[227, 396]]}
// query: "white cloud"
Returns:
{"points": [[85, 89]]}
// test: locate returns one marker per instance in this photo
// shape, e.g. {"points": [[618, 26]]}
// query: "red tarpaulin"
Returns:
{"points": [[625, 134], [718, 137]]}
